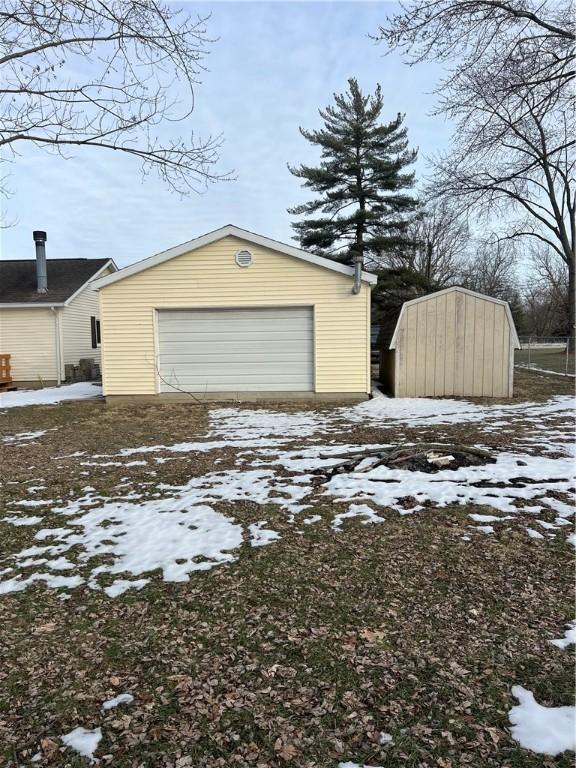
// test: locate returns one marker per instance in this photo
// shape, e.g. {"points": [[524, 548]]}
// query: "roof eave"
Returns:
{"points": [[31, 305]]}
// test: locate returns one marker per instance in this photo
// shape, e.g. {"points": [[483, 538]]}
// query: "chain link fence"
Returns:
{"points": [[545, 353]]}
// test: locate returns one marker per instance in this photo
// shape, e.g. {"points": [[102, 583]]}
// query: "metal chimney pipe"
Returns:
{"points": [[41, 271], [357, 273]]}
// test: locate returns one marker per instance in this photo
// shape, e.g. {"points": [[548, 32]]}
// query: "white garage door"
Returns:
{"points": [[236, 350]]}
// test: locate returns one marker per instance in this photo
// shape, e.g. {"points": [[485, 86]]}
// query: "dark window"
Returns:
{"points": [[94, 330], [98, 331]]}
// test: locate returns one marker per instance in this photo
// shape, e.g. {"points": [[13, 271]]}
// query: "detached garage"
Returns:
{"points": [[451, 343], [233, 313]]}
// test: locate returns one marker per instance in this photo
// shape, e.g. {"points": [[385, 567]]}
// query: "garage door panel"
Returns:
{"points": [[238, 338], [201, 324], [268, 349]]}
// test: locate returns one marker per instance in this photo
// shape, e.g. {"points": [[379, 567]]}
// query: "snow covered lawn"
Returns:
{"points": [[192, 556], [48, 395]]}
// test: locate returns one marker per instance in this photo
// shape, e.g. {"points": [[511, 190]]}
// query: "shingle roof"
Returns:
{"points": [[65, 277]]}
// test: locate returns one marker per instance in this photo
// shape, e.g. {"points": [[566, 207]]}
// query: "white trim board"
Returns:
{"points": [[219, 234], [513, 334]]}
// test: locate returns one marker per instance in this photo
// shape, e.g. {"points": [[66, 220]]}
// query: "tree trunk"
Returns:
{"points": [[571, 307]]}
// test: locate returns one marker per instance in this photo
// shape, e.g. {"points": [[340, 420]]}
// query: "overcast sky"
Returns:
{"points": [[273, 65]]}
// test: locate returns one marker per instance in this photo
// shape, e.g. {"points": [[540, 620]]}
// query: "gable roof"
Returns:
{"points": [[66, 278], [458, 289], [219, 234]]}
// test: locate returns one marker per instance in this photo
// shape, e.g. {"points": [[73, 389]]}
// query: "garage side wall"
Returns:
{"points": [[454, 344], [210, 277]]}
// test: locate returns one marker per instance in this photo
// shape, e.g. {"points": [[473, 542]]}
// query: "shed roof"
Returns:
{"points": [[219, 234], [458, 289], [65, 278]]}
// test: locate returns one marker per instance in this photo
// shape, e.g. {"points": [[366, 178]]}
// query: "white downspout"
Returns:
{"points": [[58, 345]]}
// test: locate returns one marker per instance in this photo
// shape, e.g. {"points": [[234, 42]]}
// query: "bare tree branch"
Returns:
{"points": [[105, 74]]}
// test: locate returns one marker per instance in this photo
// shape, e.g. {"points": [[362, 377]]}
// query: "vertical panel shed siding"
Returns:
{"points": [[29, 335], [454, 344], [209, 277]]}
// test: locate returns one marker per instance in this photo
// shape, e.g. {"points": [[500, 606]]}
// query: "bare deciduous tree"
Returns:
{"points": [[535, 36], [492, 269], [440, 238], [546, 295], [510, 94], [87, 73]]}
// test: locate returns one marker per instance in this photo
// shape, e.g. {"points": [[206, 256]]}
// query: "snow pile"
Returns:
{"points": [[546, 730], [50, 395], [83, 741]]}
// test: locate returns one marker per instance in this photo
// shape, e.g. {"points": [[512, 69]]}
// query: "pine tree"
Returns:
{"points": [[361, 182]]}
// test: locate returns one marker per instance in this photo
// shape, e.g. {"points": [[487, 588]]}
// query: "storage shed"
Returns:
{"points": [[234, 314], [453, 342]]}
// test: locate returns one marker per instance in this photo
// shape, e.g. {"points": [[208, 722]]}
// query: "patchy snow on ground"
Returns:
{"points": [[21, 520], [56, 582], [177, 534], [350, 764], [122, 698], [425, 411], [152, 526], [83, 741], [22, 438], [489, 518], [49, 395], [546, 730], [260, 536], [484, 528], [569, 637], [357, 510], [255, 423], [514, 477]]}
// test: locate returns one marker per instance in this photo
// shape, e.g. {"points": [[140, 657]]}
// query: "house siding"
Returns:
{"points": [[454, 344], [29, 337], [76, 329], [209, 277]]}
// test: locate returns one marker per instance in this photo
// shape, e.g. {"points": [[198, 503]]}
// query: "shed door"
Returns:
{"points": [[236, 350]]}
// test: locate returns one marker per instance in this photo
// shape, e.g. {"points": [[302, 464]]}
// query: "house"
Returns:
{"points": [[235, 314], [49, 314], [454, 342]]}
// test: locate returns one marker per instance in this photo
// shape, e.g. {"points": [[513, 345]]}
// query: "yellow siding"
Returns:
{"points": [[454, 344], [29, 335], [76, 328], [209, 277]]}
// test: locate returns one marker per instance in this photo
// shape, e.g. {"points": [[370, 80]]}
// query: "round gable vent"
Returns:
{"points": [[243, 258]]}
